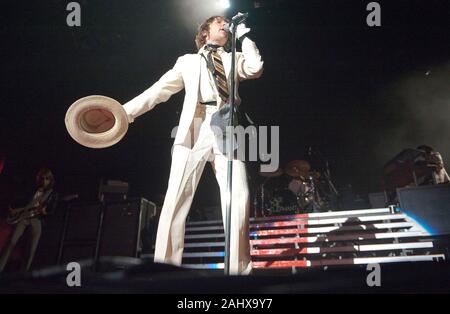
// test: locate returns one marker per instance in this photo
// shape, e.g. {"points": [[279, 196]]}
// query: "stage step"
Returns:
{"points": [[303, 222], [337, 238], [330, 262]]}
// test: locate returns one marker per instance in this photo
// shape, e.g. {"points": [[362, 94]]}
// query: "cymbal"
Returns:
{"points": [[273, 174], [298, 168]]}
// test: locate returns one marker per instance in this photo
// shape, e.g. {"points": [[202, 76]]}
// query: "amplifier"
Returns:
{"points": [[122, 228]]}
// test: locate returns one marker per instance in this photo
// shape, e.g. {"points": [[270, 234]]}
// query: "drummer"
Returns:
{"points": [[303, 184], [299, 170]]}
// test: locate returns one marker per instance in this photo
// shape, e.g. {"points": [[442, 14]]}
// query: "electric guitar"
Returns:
{"points": [[18, 214]]}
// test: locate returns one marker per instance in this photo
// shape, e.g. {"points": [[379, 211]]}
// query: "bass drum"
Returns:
{"points": [[282, 202]]}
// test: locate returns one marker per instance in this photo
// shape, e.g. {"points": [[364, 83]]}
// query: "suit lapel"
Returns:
{"points": [[194, 69]]}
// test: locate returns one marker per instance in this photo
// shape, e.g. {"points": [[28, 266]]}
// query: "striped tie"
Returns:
{"points": [[220, 76]]}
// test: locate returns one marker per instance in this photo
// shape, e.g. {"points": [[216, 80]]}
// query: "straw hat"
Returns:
{"points": [[96, 121]]}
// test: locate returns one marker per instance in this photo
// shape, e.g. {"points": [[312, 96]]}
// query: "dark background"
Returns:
{"points": [[357, 94]]}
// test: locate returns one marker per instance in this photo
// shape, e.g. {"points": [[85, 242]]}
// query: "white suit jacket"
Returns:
{"points": [[186, 74]]}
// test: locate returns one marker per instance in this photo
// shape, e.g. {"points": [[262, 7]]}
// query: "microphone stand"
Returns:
{"points": [[230, 151]]}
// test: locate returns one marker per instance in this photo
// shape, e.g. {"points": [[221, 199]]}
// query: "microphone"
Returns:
{"points": [[239, 18], [236, 20]]}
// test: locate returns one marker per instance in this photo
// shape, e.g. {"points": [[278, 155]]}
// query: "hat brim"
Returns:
{"points": [[111, 122]]}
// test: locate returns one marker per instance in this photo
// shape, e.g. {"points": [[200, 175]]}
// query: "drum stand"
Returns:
{"points": [[327, 174], [317, 201], [330, 183]]}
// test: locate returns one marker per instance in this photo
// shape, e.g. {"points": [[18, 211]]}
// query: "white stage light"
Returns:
{"points": [[224, 3]]}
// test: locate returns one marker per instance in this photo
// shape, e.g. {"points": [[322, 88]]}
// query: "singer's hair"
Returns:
{"points": [[45, 172], [203, 29], [426, 148]]}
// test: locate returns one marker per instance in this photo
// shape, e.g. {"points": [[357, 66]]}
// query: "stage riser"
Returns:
{"points": [[341, 238], [305, 222]]}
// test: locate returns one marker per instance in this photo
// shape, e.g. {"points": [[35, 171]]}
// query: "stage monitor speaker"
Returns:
{"points": [[428, 205]]}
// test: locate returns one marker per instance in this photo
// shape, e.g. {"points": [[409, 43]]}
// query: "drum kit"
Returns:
{"points": [[292, 190]]}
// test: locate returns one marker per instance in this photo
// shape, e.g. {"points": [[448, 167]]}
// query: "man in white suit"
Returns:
{"points": [[195, 142]]}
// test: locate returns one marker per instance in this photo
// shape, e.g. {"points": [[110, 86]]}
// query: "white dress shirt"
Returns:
{"points": [[207, 89]]}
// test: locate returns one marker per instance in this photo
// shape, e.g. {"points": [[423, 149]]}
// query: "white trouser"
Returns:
{"points": [[187, 167]]}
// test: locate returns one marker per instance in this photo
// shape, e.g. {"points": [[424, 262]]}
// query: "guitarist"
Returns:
{"points": [[42, 203]]}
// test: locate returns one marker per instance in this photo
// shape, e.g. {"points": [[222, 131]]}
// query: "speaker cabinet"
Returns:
{"points": [[80, 251], [378, 200], [83, 222], [122, 228], [124, 225]]}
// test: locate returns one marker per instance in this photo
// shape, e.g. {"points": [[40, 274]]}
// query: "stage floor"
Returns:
{"points": [[420, 277]]}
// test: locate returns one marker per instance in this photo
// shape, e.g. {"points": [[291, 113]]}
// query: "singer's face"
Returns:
{"points": [[217, 34]]}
